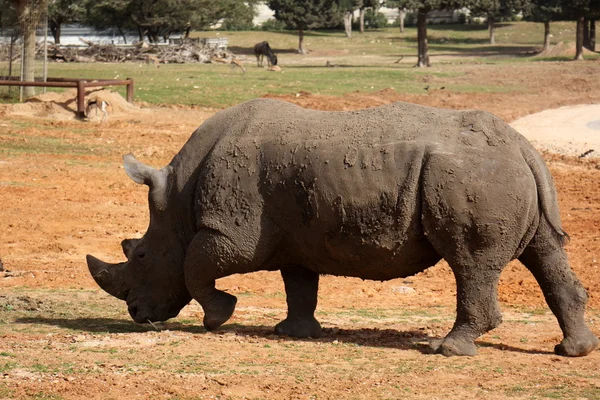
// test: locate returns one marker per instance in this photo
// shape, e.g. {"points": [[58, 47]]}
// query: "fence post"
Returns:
{"points": [[80, 99], [130, 90]]}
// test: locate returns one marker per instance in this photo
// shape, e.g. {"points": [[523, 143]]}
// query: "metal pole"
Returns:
{"points": [[130, 90], [22, 56], [10, 61], [81, 99], [45, 48]]}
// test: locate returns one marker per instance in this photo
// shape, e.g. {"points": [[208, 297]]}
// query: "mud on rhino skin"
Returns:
{"points": [[379, 193]]}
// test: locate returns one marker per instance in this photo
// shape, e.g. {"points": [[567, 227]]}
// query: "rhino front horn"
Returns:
{"points": [[108, 276]]}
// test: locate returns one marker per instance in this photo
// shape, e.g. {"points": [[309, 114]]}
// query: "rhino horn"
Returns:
{"points": [[108, 276], [156, 179]]}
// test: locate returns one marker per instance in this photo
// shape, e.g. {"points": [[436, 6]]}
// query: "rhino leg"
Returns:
{"points": [[301, 287], [206, 260], [477, 309], [566, 297]]}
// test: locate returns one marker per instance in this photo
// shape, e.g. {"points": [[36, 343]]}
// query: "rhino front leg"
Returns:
{"points": [[210, 256], [477, 310], [301, 287], [566, 297]]}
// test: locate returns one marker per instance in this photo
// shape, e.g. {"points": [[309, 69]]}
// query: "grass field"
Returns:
{"points": [[366, 62]]}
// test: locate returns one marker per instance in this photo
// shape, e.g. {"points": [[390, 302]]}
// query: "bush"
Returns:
{"points": [[375, 20], [232, 25], [273, 25]]}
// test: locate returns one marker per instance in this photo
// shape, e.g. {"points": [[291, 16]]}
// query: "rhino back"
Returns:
{"points": [[341, 189]]}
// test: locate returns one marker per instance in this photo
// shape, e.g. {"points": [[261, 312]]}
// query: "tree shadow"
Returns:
{"points": [[466, 27], [442, 40], [368, 337], [249, 51]]}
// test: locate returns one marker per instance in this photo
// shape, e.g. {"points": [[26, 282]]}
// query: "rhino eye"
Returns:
{"points": [[141, 256]]}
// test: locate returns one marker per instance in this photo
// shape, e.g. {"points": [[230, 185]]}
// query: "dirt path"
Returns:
{"points": [[64, 194]]}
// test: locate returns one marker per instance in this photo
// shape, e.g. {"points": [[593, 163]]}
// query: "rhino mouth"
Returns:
{"points": [[143, 315]]}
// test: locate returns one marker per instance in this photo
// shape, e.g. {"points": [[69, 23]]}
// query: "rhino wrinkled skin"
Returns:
{"points": [[379, 194]]}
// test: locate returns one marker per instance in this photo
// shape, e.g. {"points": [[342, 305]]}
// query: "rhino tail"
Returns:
{"points": [[546, 189]]}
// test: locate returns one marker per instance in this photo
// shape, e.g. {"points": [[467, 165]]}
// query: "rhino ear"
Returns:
{"points": [[136, 170], [156, 179]]}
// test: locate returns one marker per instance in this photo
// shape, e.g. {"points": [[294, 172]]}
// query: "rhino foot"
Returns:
{"points": [[220, 310], [299, 328], [577, 346], [453, 347]]}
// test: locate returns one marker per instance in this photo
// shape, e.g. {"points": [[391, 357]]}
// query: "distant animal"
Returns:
{"points": [[233, 62], [263, 49], [380, 193], [239, 64], [96, 107]]}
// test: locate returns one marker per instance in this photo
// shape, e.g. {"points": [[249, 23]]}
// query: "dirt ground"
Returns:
{"points": [[64, 194]]}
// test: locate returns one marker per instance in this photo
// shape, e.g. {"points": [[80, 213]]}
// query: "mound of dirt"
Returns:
{"points": [[562, 49], [64, 105]]}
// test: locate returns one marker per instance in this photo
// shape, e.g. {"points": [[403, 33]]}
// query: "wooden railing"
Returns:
{"points": [[80, 84]]}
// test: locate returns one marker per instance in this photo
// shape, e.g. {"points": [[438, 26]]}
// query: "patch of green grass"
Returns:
{"points": [[366, 63], [6, 392], [7, 366], [47, 396], [46, 145]]}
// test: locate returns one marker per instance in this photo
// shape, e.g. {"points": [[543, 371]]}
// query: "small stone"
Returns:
{"points": [[1, 266], [403, 289]]}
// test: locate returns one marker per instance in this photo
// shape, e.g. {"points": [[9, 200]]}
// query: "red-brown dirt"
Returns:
{"points": [[64, 194]]}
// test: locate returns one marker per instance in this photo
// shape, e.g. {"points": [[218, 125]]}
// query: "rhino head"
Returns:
{"points": [[151, 281]]}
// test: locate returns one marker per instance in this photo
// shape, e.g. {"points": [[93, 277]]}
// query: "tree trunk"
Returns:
{"points": [[492, 28], [401, 16], [579, 43], [348, 23], [422, 39], [301, 48], [29, 18], [361, 19], [593, 35], [28, 59], [57, 35], [586, 33], [122, 33], [546, 35]]}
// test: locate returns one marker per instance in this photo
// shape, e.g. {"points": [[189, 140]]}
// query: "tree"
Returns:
{"points": [[348, 7], [544, 11], [579, 10], [63, 12], [109, 14], [366, 4], [303, 15], [28, 15], [495, 10], [423, 7], [156, 19]]}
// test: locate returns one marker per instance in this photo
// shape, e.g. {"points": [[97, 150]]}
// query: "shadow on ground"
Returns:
{"points": [[370, 337]]}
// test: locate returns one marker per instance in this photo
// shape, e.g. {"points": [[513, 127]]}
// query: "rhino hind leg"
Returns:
{"points": [[301, 287], [566, 297]]}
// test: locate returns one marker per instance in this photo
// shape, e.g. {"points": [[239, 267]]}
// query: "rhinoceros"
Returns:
{"points": [[380, 193]]}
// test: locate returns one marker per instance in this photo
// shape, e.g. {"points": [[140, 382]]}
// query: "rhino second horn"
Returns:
{"points": [[156, 179], [108, 276]]}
